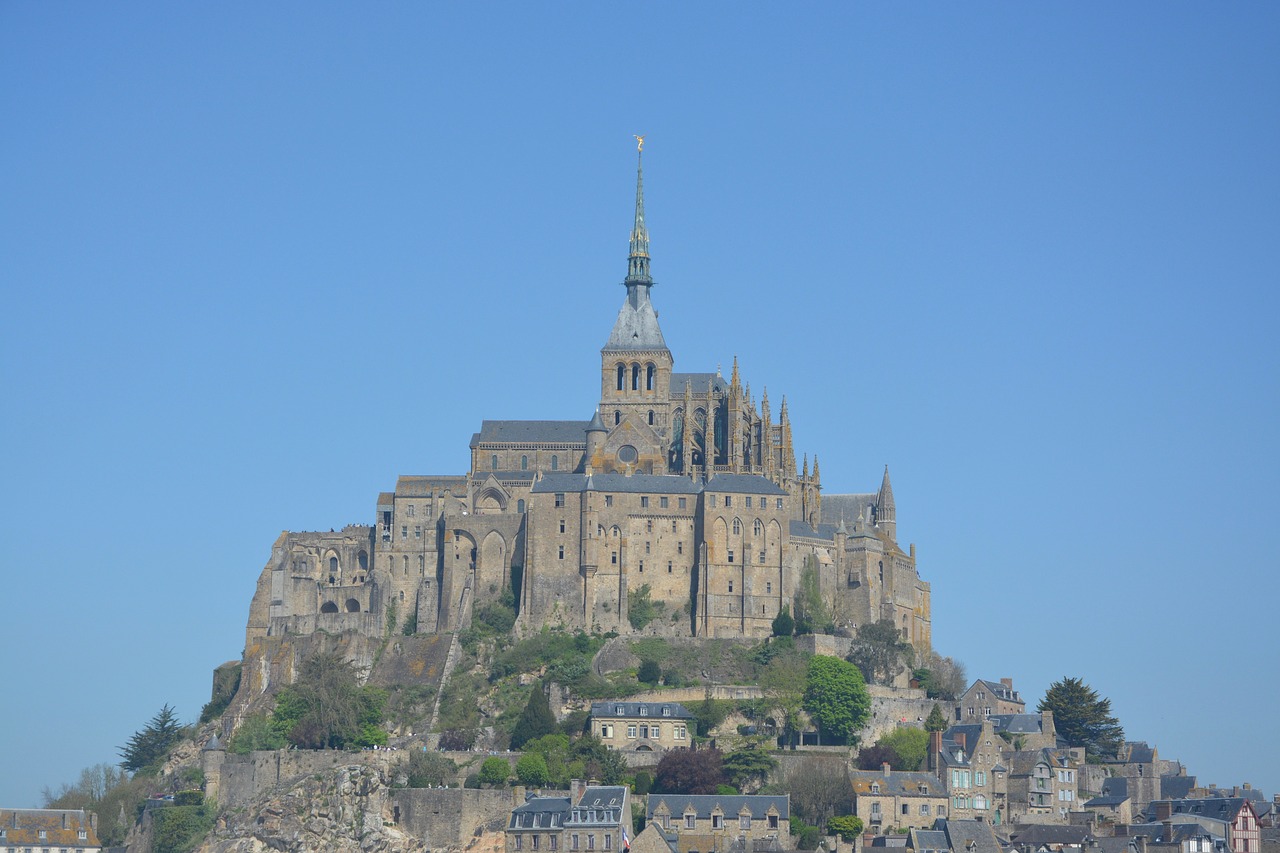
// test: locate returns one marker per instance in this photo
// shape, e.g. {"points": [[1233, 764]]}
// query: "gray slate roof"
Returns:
{"points": [[1176, 787], [970, 835], [654, 484], [730, 805], [698, 382], [897, 782], [1217, 808], [600, 805], [539, 813], [803, 528], [928, 841], [637, 325], [652, 710], [750, 484], [1016, 724], [847, 507], [1045, 833], [531, 432]]}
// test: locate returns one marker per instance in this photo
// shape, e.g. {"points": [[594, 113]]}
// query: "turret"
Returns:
{"points": [[886, 516], [596, 432]]}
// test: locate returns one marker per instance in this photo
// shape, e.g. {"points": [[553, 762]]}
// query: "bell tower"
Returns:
{"points": [[635, 364]]}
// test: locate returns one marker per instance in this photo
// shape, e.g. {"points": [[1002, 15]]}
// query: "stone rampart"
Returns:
{"points": [[449, 817], [244, 777]]}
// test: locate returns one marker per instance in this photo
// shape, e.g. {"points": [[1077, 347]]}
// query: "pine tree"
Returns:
{"points": [[1082, 718], [535, 721], [148, 748], [937, 721]]}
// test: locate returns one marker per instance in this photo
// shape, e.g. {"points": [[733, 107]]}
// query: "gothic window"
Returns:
{"points": [[759, 526], [493, 462], [555, 463], [333, 565], [635, 377], [524, 463], [648, 380], [737, 527], [520, 506], [622, 376], [363, 559]]}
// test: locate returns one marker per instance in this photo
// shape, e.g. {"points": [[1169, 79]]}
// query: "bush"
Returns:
{"points": [[643, 783], [848, 827], [457, 740], [783, 624], [649, 673], [188, 798], [494, 772], [531, 770], [429, 770], [641, 609], [180, 829], [809, 837]]}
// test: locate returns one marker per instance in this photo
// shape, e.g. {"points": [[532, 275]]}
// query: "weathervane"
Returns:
{"points": [[639, 142]]}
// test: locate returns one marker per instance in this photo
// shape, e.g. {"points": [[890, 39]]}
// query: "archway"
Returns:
{"points": [[328, 607], [353, 606]]}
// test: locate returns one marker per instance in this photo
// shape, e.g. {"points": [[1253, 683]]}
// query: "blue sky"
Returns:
{"points": [[259, 260]]}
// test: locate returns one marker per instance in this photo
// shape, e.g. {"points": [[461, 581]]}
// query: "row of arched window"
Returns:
{"points": [[524, 463], [649, 375]]}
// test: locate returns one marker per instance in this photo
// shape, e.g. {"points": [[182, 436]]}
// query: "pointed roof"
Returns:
{"points": [[596, 425], [637, 325], [884, 500]]}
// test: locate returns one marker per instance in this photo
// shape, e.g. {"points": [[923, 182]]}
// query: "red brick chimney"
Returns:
{"points": [[1164, 810], [960, 741], [935, 747], [1007, 682]]}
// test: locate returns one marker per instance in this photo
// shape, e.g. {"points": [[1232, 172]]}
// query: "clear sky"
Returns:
{"points": [[260, 259]]}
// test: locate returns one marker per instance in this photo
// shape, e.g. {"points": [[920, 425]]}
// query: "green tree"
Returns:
{"points": [[494, 772], [256, 731], [327, 709], [910, 745], [535, 721], [836, 696], [748, 768], [429, 769], [880, 652], [641, 609], [1083, 718], [812, 613], [532, 770], [783, 683], [149, 747], [937, 721], [941, 677], [783, 624], [650, 672], [848, 827]]}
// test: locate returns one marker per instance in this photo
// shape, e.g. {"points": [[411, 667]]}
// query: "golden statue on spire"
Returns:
{"points": [[639, 142]]}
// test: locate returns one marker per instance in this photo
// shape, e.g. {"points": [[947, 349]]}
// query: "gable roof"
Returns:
{"points": [[969, 836], [901, 783], [1216, 808], [62, 828], [531, 432], [1017, 724], [823, 531], [539, 813]]}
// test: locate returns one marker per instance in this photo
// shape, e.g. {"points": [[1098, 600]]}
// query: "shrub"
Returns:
{"points": [[531, 770], [494, 772], [649, 673]]}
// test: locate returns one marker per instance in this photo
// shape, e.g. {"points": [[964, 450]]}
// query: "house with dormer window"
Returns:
{"points": [[642, 726], [710, 822]]}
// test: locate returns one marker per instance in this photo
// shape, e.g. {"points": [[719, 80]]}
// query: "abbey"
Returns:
{"points": [[680, 482]]}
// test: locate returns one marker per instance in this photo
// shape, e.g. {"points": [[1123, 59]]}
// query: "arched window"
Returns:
{"points": [[524, 463], [648, 377], [635, 377], [651, 417], [737, 526], [555, 463], [493, 462], [622, 376], [520, 506], [617, 418], [759, 528], [363, 557], [333, 565], [328, 607]]}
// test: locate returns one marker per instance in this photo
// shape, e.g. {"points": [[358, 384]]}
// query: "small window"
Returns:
{"points": [[562, 552], [744, 821], [717, 821], [689, 821], [728, 500], [731, 582], [646, 542], [668, 567], [673, 526], [608, 500], [644, 501], [642, 567], [648, 528], [768, 586], [411, 510], [534, 844], [559, 498], [562, 525], [404, 531], [680, 547], [417, 531], [493, 462], [906, 809], [520, 506], [748, 501], [662, 503], [737, 526], [650, 417], [555, 466], [614, 558], [711, 501], [730, 556], [779, 503], [617, 418], [524, 463], [681, 503]]}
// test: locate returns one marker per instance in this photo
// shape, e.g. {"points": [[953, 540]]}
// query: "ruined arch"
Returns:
{"points": [[363, 559], [353, 606], [329, 607], [491, 566]]}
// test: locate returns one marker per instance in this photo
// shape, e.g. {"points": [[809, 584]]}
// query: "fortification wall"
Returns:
{"points": [[448, 817]]}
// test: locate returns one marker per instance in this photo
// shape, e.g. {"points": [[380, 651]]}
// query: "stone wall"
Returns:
{"points": [[449, 817]]}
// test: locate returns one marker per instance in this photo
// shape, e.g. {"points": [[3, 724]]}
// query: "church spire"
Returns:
{"points": [[638, 262]]}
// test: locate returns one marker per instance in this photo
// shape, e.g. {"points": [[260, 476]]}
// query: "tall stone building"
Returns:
{"points": [[681, 482]]}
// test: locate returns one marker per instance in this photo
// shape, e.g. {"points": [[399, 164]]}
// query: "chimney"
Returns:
{"points": [[517, 796], [885, 768], [1007, 682], [960, 741], [575, 791], [1164, 810], [64, 820], [1168, 831], [93, 819], [1046, 722], [935, 747]]}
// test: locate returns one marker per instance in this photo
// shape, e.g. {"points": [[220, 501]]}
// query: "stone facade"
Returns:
{"points": [[888, 799], [683, 483], [693, 822], [642, 726]]}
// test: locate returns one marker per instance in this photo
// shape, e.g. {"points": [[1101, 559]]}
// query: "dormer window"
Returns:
{"points": [[644, 712], [875, 787], [618, 709], [666, 712]]}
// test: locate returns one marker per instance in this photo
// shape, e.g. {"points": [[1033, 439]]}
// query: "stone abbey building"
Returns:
{"points": [[681, 482]]}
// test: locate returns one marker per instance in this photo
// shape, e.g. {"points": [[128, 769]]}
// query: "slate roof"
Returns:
{"points": [[731, 805], [600, 805], [23, 826], [751, 484], [1000, 691], [850, 508], [653, 484], [531, 432], [1045, 833], [636, 328], [1182, 832], [1217, 808], [652, 710], [928, 841], [1100, 802], [972, 735], [823, 531], [1016, 724], [421, 485], [1116, 786], [1140, 753], [964, 836], [539, 813], [899, 783], [699, 383]]}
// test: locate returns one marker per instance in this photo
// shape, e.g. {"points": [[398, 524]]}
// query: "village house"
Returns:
{"points": [[641, 726], [888, 799], [967, 758], [44, 829], [989, 698], [699, 823], [1042, 785], [588, 818], [1233, 817]]}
